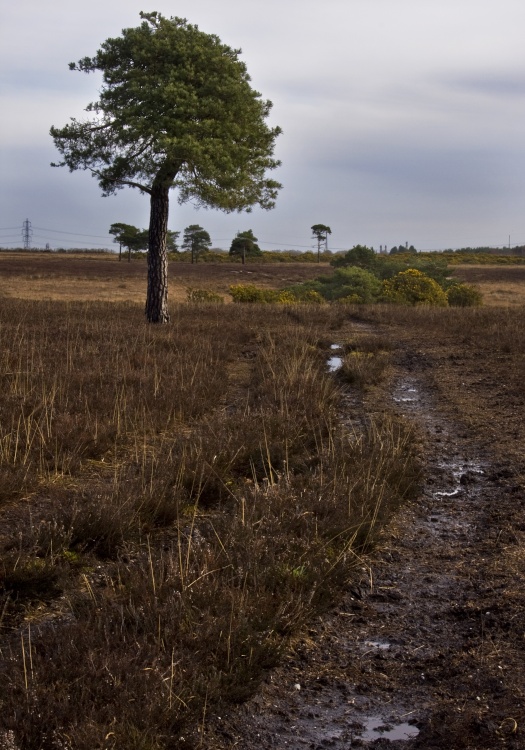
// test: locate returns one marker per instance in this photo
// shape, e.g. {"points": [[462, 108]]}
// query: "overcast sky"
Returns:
{"points": [[403, 120]]}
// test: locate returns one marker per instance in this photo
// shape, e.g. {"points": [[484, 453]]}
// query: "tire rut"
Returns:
{"points": [[406, 645]]}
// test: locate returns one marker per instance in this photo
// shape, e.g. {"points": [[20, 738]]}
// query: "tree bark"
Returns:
{"points": [[157, 295]]}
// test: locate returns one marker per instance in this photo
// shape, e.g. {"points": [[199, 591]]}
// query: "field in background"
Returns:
{"points": [[102, 277], [499, 285]]}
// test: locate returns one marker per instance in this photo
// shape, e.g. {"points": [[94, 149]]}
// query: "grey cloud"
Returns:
{"points": [[448, 171], [401, 122], [502, 85]]}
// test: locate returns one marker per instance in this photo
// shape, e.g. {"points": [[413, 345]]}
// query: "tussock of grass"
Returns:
{"points": [[182, 523]]}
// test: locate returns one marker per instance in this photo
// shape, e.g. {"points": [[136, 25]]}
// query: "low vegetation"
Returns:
{"points": [[176, 502], [363, 277]]}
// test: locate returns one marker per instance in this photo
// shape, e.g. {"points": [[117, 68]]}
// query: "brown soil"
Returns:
{"points": [[426, 649]]}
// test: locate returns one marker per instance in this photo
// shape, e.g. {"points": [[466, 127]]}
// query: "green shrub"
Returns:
{"points": [[412, 287], [357, 284], [431, 264], [309, 296], [252, 293], [353, 284], [464, 295], [360, 256]]}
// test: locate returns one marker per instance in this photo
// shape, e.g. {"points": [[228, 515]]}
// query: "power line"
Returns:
{"points": [[75, 234], [72, 242], [28, 235]]}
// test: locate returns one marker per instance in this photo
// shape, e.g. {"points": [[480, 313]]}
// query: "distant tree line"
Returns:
{"points": [[517, 250], [136, 240], [196, 241]]}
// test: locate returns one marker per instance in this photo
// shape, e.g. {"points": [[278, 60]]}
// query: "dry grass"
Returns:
{"points": [[176, 502], [500, 285], [82, 277], [47, 276]]}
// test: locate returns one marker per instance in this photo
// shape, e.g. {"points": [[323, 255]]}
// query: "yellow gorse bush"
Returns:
{"points": [[412, 287]]}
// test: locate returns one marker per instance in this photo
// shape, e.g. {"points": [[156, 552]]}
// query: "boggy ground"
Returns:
{"points": [[426, 648]]}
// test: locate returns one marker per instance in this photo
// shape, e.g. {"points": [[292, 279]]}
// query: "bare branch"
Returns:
{"points": [[117, 181]]}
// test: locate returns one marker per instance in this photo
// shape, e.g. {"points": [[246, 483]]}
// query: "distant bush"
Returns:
{"points": [[359, 255], [294, 256], [479, 258], [403, 250], [206, 256], [354, 285], [464, 295], [310, 296], [252, 293], [203, 295], [412, 287], [388, 266]]}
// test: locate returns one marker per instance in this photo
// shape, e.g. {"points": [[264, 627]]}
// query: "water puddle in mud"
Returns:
{"points": [[376, 727], [406, 394], [462, 475], [459, 468], [335, 362], [381, 645]]}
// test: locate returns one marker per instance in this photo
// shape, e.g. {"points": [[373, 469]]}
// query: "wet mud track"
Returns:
{"points": [[425, 649]]}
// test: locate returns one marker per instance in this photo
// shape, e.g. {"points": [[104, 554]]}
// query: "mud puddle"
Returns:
{"points": [[335, 361], [376, 729]]}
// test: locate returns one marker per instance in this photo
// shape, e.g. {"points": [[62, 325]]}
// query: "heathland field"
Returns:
{"points": [[44, 276], [103, 278], [179, 504]]}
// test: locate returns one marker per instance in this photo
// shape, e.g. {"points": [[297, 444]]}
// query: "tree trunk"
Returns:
{"points": [[157, 296]]}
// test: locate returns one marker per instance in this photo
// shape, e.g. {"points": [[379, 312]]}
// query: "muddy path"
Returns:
{"points": [[426, 649]]}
